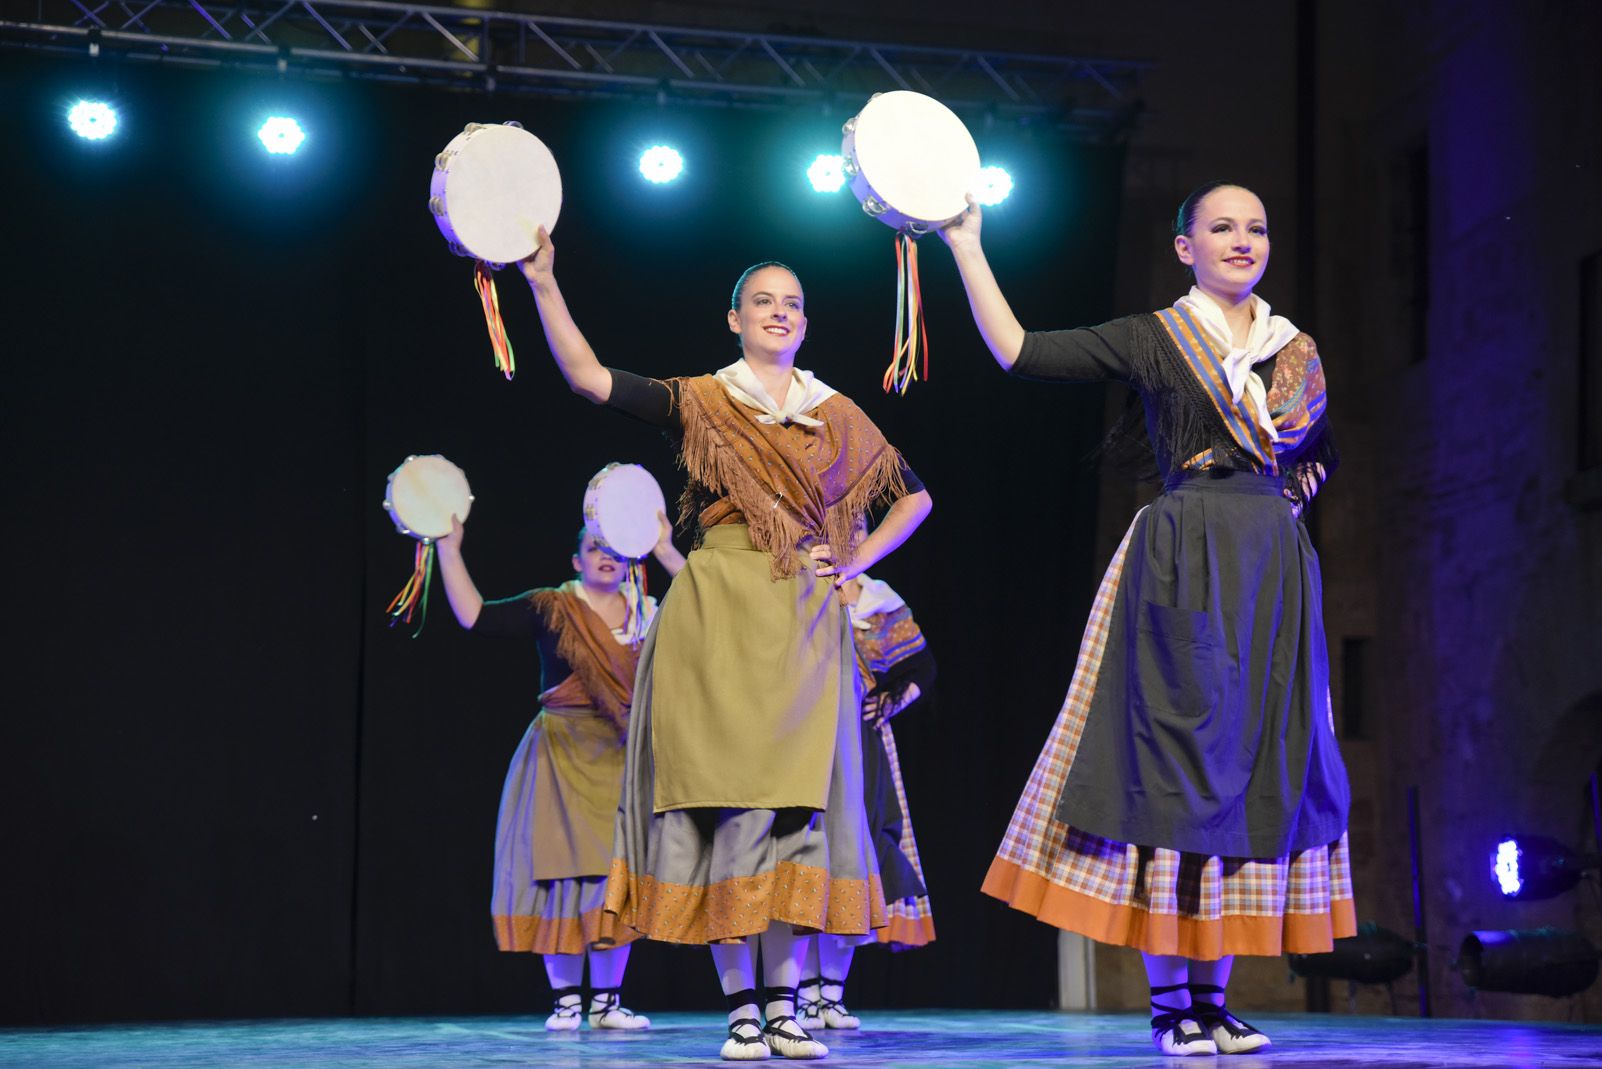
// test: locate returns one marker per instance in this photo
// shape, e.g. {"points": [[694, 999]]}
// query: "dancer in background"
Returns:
{"points": [[742, 817], [553, 840], [1191, 801], [895, 656]]}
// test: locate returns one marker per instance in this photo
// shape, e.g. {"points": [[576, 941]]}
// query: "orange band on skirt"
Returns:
{"points": [[1169, 933], [907, 933], [800, 895], [560, 935]]}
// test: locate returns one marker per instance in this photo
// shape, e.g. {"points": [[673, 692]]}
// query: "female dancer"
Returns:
{"points": [[1191, 801], [553, 840], [894, 654], [742, 811]]}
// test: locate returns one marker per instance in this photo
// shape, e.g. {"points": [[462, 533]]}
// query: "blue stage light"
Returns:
{"points": [[661, 163], [993, 186], [1505, 867], [827, 173], [1534, 866], [92, 120], [281, 135]]}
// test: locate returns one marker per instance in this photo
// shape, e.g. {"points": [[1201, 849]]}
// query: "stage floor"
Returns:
{"points": [[926, 1038]]}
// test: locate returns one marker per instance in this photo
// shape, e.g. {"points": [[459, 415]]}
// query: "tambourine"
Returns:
{"points": [[493, 187], [911, 163], [910, 160], [421, 496], [623, 508]]}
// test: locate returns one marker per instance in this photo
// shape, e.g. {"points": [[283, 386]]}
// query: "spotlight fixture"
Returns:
{"points": [[994, 186], [660, 164], [1543, 961], [281, 135], [92, 120], [1534, 866], [1374, 955], [827, 173]]}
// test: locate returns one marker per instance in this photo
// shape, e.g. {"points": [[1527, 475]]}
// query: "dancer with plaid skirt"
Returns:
{"points": [[899, 672], [1191, 801]]}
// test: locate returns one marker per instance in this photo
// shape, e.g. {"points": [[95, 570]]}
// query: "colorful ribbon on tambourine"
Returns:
{"points": [[910, 331], [636, 601], [484, 282], [413, 597]]}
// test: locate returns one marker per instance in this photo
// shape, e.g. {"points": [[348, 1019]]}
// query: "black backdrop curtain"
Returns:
{"points": [[230, 789]]}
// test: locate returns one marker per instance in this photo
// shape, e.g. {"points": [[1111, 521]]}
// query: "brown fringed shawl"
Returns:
{"points": [[603, 668], [792, 485]]}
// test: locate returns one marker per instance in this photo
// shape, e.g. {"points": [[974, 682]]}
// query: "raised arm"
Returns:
{"points": [[466, 601], [991, 313], [665, 552], [585, 375]]}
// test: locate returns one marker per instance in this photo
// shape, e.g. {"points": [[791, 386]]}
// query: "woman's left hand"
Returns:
{"points": [[823, 557]]}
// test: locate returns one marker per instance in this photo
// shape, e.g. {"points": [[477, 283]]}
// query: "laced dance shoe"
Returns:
{"points": [[607, 1011], [1175, 1031], [1231, 1034], [569, 1012]]}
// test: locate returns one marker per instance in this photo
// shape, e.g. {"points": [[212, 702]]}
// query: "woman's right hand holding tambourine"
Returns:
{"points": [[452, 541], [541, 267], [963, 232]]}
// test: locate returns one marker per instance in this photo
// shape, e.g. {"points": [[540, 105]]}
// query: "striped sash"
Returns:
{"points": [[1202, 359]]}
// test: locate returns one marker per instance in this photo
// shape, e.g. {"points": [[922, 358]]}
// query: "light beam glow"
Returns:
{"points": [[281, 135], [92, 120], [827, 173], [993, 187], [1505, 866], [661, 163]]}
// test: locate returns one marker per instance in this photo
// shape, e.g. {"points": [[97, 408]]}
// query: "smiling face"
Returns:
{"points": [[1227, 244], [770, 319], [598, 567]]}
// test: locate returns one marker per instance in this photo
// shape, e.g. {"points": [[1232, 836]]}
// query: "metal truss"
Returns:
{"points": [[507, 51]]}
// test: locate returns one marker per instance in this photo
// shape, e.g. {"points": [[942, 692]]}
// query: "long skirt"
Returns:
{"points": [[552, 838], [906, 895], [717, 874], [1197, 723]]}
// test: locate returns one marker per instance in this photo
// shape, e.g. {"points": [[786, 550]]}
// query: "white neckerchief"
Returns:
{"points": [[1268, 335], [623, 635], [805, 393], [874, 598]]}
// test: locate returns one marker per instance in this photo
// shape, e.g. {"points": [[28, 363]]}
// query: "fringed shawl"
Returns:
{"points": [[1188, 426], [603, 668], [791, 485]]}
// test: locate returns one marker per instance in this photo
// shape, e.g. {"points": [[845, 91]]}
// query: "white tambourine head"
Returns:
{"points": [[621, 507], [917, 155], [500, 185], [424, 493]]}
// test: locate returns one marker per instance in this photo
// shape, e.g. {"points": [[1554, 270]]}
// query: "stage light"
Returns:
{"points": [[281, 135], [1544, 961], [1374, 955], [827, 173], [92, 120], [993, 187], [1534, 866], [661, 163]]}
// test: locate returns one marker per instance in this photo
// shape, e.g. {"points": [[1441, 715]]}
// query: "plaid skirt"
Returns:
{"points": [[1157, 900], [911, 920]]}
